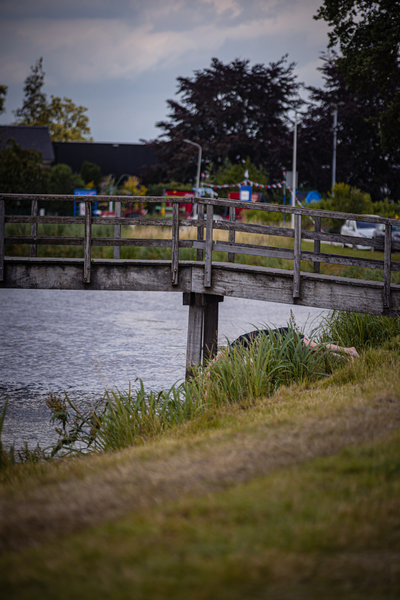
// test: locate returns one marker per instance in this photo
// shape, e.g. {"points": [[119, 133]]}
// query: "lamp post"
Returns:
{"points": [[294, 183], [198, 172], [198, 161], [335, 112]]}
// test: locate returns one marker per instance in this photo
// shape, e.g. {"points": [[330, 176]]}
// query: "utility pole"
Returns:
{"points": [[335, 112], [294, 182]]}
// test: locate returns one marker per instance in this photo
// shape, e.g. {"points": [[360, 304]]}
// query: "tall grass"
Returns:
{"points": [[240, 376], [360, 330]]}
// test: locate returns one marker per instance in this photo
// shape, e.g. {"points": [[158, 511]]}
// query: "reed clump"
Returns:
{"points": [[241, 376]]}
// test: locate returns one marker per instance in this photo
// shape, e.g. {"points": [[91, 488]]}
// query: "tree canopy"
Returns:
{"points": [[233, 111], [368, 35], [21, 171], [361, 161], [66, 121]]}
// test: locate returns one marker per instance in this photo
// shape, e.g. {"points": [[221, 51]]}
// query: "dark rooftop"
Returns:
{"points": [[29, 137]]}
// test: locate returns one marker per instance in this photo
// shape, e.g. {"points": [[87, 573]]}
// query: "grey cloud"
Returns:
{"points": [[72, 9]]}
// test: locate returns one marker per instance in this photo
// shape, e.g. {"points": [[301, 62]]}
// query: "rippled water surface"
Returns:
{"points": [[82, 342]]}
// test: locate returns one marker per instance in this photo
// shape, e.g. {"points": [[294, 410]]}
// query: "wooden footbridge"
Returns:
{"points": [[203, 281]]}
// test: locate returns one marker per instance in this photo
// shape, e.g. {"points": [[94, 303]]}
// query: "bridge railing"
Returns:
{"points": [[204, 243]]}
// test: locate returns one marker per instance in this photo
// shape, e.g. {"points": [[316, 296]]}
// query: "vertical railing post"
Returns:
{"points": [[34, 227], [387, 265], [232, 219], [200, 231], [317, 243], [175, 244], [2, 236], [117, 230], [297, 256], [87, 242], [209, 245]]}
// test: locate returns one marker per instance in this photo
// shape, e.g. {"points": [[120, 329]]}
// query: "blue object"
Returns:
{"points": [[313, 197], [85, 192], [245, 193]]}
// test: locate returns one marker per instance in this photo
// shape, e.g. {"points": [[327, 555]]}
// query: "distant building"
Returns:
{"points": [[113, 159], [29, 137]]}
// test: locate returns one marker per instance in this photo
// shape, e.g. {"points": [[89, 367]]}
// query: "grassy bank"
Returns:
{"points": [[281, 480], [297, 495]]}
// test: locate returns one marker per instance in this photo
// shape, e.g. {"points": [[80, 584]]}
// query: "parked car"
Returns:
{"points": [[379, 233], [358, 229]]}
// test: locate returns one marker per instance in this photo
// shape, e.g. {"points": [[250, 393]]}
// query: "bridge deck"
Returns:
{"points": [[229, 279]]}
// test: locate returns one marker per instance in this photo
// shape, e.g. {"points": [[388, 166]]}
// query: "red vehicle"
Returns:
{"points": [[185, 208]]}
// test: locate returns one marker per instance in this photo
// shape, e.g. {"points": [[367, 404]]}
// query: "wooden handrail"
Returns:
{"points": [[204, 247]]}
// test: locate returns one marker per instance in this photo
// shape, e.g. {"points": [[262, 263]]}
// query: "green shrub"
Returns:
{"points": [[348, 200], [63, 180]]}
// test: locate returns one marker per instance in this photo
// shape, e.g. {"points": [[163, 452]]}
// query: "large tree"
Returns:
{"points": [[233, 111], [361, 161], [66, 121], [368, 35], [21, 171]]}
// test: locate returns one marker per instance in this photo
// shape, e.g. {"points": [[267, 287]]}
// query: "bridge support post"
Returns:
{"points": [[202, 336]]}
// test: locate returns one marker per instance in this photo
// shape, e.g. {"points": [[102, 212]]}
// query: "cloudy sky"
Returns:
{"points": [[121, 58]]}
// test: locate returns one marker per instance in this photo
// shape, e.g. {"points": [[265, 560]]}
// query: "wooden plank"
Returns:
{"points": [[229, 279], [34, 227], [209, 246], [297, 210], [297, 256], [222, 225], [336, 259], [88, 242], [49, 220], [251, 249], [117, 230], [317, 244], [200, 230], [231, 239], [320, 291], [205, 202], [210, 344], [387, 266], [194, 338], [175, 245], [2, 237]]}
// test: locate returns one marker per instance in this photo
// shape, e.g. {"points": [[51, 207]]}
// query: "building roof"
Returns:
{"points": [[29, 137]]}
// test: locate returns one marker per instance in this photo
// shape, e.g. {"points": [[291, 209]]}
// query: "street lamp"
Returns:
{"points": [[335, 112], [198, 162], [294, 183]]}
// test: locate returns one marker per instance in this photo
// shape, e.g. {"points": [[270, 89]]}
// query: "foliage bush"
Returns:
{"points": [[21, 171], [347, 199], [63, 180], [90, 172]]}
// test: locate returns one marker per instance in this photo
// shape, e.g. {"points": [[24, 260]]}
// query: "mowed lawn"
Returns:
{"points": [[296, 496]]}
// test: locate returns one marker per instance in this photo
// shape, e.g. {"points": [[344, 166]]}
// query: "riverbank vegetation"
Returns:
{"points": [[240, 377], [294, 494]]}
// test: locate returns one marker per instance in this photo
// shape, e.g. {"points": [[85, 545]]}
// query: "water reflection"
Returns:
{"points": [[82, 342]]}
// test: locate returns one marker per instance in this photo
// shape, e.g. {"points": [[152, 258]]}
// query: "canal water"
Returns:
{"points": [[84, 342]]}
